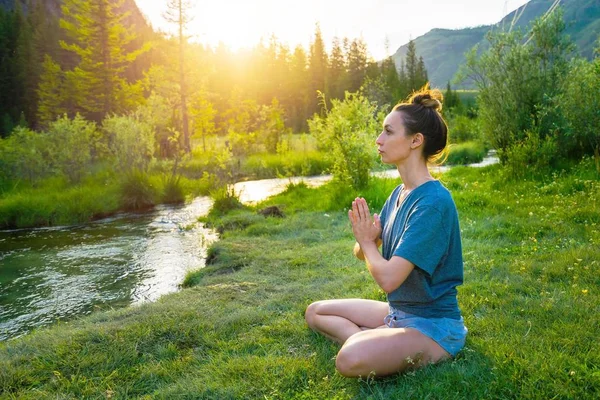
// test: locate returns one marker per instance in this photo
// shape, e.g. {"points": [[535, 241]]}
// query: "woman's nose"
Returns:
{"points": [[379, 140]]}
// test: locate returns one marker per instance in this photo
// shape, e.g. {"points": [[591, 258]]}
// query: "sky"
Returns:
{"points": [[242, 23]]}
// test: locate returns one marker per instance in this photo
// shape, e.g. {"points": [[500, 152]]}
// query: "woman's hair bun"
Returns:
{"points": [[429, 98]]}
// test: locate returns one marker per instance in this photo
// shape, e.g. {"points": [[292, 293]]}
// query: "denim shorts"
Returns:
{"points": [[449, 333]]}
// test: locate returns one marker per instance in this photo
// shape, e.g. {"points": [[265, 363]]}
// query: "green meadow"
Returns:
{"points": [[237, 331]]}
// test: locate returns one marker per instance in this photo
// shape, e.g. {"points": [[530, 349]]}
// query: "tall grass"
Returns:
{"points": [[292, 163], [55, 202], [466, 153], [50, 205]]}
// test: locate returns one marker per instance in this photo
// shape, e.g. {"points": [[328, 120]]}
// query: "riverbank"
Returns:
{"points": [[531, 286]]}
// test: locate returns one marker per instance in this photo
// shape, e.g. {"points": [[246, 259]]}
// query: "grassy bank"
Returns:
{"points": [[530, 298], [56, 202]]}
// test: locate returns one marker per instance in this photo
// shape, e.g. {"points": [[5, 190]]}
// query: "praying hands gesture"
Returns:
{"points": [[365, 228]]}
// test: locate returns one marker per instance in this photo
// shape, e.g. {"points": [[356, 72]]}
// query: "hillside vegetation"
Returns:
{"points": [[443, 50]]}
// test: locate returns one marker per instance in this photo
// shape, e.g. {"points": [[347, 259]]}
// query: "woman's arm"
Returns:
{"points": [[358, 251], [388, 274]]}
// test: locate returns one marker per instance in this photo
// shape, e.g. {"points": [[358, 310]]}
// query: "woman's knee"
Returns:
{"points": [[350, 363], [310, 315]]}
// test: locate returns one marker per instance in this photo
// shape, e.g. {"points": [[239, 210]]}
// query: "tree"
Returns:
{"points": [[357, 64], [336, 77], [519, 81], [317, 67], [300, 110], [178, 13], [203, 114], [411, 64], [50, 92], [581, 104], [11, 76], [451, 98], [416, 74], [97, 36]]}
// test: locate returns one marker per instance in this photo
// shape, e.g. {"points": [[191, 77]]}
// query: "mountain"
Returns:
{"points": [[51, 6], [53, 9], [443, 50]]}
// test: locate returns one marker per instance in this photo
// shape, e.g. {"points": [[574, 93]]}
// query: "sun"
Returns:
{"points": [[237, 24]]}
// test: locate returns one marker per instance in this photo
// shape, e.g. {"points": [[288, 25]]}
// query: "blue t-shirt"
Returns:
{"points": [[424, 230]]}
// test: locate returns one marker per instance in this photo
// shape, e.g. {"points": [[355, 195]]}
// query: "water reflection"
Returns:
{"points": [[57, 273]]}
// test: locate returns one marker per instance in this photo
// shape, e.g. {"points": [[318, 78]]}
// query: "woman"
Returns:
{"points": [[420, 264]]}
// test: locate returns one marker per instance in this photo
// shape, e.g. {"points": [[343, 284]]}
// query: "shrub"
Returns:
{"points": [[131, 142], [464, 129], [71, 143], [530, 156], [24, 156], [348, 130]]}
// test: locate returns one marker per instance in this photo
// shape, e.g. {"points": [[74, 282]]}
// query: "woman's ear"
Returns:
{"points": [[417, 140]]}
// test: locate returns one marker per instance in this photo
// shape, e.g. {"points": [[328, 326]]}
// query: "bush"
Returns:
{"points": [[530, 156], [71, 143], [466, 153], [24, 156], [348, 130], [131, 142], [464, 129]]}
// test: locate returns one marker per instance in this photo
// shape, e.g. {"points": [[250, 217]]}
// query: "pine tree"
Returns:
{"points": [[317, 67], [50, 92], [421, 75], [337, 71], [11, 74], [300, 110], [416, 73], [357, 64], [178, 13], [412, 65], [451, 98], [96, 34], [391, 79]]}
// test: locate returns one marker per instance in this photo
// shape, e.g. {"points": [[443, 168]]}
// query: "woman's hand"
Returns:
{"points": [[365, 228]]}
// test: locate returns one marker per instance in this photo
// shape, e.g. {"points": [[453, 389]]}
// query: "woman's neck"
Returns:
{"points": [[414, 173]]}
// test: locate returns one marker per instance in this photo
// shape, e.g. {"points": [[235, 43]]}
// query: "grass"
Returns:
{"points": [[55, 202], [466, 153], [530, 300], [292, 163]]}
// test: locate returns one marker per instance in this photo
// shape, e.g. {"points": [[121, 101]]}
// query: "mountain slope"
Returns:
{"points": [[53, 8], [443, 49]]}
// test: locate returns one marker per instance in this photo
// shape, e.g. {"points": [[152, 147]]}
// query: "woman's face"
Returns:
{"points": [[393, 144]]}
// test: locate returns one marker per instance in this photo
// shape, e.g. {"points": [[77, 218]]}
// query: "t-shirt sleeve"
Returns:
{"points": [[425, 239], [383, 215]]}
